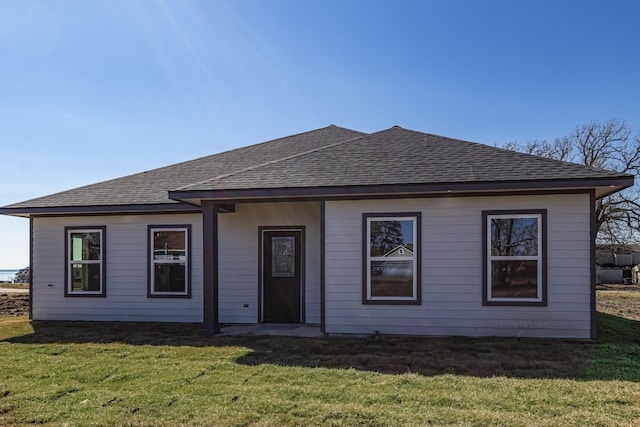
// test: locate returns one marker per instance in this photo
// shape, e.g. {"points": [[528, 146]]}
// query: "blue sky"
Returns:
{"points": [[93, 90]]}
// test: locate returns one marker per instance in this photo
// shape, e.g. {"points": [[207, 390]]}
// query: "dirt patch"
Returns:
{"points": [[14, 304]]}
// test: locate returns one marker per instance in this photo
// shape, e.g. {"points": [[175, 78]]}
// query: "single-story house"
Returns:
{"points": [[295, 230]]}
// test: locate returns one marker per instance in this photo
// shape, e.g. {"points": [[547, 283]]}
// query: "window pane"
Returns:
{"points": [[388, 237], [169, 278], [514, 279], [283, 256], [392, 279], [85, 246], [514, 237], [169, 245], [85, 277]]}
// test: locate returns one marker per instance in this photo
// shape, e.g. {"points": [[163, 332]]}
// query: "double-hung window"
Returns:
{"points": [[391, 258], [169, 261], [514, 257], [85, 261]]}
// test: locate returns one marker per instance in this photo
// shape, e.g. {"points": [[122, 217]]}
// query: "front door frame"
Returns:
{"points": [[261, 232]]}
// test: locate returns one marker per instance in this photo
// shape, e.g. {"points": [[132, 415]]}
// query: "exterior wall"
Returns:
{"points": [[239, 252], [452, 270], [126, 275]]}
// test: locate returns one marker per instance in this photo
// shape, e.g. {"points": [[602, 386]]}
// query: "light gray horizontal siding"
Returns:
{"points": [[126, 285], [452, 270]]}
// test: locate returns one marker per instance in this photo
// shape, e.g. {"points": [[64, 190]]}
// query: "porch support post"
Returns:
{"points": [[31, 268], [592, 262], [210, 323], [322, 266]]}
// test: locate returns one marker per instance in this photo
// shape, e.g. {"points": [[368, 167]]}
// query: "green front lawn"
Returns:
{"points": [[65, 373]]}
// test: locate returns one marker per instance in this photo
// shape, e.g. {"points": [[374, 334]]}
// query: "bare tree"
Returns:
{"points": [[609, 145], [558, 149]]}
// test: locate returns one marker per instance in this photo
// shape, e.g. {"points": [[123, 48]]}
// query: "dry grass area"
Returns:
{"points": [[14, 285], [619, 300]]}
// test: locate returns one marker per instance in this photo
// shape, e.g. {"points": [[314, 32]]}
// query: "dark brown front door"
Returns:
{"points": [[281, 284]]}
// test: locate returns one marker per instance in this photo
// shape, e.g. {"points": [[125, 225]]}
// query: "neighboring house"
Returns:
{"points": [[399, 251], [23, 275], [294, 230]]}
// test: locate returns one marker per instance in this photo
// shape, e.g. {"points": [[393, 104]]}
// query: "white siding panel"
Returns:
{"points": [[452, 270], [239, 277], [126, 270]]}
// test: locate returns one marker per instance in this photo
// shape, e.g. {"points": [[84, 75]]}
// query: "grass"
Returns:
{"points": [[620, 300], [14, 285], [66, 373]]}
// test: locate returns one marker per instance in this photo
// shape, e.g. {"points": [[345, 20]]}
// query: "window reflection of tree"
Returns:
{"points": [[514, 237], [385, 236]]}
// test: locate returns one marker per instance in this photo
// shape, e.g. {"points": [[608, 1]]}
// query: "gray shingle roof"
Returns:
{"points": [[330, 157], [400, 156]]}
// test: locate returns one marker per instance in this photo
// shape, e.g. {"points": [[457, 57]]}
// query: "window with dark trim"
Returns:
{"points": [[514, 253], [169, 261], [391, 258], [85, 261]]}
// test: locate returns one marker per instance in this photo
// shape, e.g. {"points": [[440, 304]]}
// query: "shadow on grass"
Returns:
{"points": [[615, 355]]}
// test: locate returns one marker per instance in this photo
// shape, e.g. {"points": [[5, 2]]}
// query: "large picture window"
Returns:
{"points": [[391, 255], [169, 261], [85, 261], [514, 249]]}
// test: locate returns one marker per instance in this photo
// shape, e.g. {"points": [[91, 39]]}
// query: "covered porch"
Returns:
{"points": [[263, 268]]}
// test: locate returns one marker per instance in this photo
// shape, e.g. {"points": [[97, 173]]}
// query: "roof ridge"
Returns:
{"points": [[206, 156], [237, 149], [271, 162]]}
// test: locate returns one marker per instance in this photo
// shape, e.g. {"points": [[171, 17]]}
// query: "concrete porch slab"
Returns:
{"points": [[273, 329]]}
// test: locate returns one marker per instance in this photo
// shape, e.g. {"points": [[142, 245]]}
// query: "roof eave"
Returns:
{"points": [[189, 200], [26, 212], [603, 187]]}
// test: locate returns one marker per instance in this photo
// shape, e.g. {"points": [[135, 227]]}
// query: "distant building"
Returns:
{"points": [[22, 276]]}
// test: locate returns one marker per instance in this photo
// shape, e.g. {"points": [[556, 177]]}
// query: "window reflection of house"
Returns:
{"points": [[399, 251], [169, 254], [399, 270]]}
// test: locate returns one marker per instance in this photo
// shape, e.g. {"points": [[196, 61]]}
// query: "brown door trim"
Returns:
{"points": [[261, 238]]}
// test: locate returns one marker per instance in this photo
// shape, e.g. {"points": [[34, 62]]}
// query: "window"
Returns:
{"points": [[391, 258], [515, 255], [85, 261], [169, 261]]}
